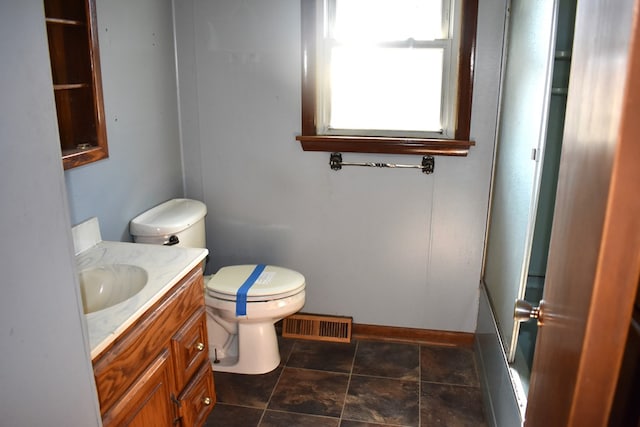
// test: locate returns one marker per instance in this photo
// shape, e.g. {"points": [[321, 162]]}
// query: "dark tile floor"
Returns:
{"points": [[362, 384]]}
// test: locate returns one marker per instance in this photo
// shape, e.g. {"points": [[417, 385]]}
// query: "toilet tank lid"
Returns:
{"points": [[172, 216]]}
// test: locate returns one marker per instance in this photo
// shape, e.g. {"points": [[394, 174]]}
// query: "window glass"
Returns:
{"points": [[392, 89], [384, 20], [382, 67]]}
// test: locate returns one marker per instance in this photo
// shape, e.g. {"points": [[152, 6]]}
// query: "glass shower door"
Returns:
{"points": [[548, 184], [519, 157]]}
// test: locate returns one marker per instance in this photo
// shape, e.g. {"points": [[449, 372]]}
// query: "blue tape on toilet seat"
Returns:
{"points": [[241, 295]]}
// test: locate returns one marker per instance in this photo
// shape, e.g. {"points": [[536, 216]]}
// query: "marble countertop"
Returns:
{"points": [[165, 266]]}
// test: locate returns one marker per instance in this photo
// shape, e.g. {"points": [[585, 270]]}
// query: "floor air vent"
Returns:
{"points": [[317, 327]]}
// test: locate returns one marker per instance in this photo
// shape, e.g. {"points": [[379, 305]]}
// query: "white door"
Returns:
{"points": [[522, 129]]}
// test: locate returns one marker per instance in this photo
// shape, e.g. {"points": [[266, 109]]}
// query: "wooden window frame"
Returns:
{"points": [[310, 140]]}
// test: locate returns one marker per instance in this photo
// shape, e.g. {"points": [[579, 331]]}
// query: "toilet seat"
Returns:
{"points": [[274, 283], [232, 298]]}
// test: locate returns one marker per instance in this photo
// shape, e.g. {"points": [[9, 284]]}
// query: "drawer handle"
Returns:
{"points": [[200, 346], [206, 401]]}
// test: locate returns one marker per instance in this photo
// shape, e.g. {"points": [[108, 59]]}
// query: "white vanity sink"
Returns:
{"points": [[104, 286], [120, 281]]}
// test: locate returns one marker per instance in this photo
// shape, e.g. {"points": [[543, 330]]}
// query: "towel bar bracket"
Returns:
{"points": [[427, 166]]}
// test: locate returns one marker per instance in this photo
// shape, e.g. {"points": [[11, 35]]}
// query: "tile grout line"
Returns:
{"points": [[273, 390], [346, 393], [419, 385]]}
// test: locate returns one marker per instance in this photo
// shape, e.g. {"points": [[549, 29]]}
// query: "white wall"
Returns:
{"points": [[144, 167], [388, 247], [46, 375]]}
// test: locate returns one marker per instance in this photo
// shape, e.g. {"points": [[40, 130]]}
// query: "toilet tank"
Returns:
{"points": [[177, 222]]}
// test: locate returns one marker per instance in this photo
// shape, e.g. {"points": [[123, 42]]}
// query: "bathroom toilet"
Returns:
{"points": [[243, 302]]}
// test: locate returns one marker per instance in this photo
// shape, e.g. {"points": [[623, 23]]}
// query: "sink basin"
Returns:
{"points": [[107, 285]]}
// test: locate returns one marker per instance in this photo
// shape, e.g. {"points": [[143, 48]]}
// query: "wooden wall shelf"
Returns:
{"points": [[77, 81]]}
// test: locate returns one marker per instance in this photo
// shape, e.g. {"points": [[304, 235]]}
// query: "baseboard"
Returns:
{"points": [[423, 336]]}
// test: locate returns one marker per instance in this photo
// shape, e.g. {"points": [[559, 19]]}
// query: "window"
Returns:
{"points": [[387, 76]]}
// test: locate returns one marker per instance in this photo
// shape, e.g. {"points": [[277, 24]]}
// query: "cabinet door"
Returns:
{"points": [[198, 398], [148, 401], [190, 348]]}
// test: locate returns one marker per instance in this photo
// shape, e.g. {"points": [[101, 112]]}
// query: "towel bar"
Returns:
{"points": [[427, 166]]}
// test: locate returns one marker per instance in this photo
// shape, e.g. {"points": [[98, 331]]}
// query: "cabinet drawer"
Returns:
{"points": [[190, 347], [198, 398]]}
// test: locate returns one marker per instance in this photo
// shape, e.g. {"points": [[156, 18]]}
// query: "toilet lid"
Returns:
{"points": [[273, 283]]}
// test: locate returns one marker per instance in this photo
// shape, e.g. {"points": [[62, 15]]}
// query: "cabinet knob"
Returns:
{"points": [[200, 346], [206, 401]]}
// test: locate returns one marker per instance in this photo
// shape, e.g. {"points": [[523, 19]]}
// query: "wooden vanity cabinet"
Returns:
{"points": [[157, 373]]}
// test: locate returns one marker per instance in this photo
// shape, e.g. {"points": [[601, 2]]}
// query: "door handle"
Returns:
{"points": [[524, 311]]}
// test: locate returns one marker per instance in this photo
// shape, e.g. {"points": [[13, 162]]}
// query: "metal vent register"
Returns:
{"points": [[317, 327]]}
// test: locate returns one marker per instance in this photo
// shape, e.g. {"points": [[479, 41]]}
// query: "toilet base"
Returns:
{"points": [[258, 351], [247, 344]]}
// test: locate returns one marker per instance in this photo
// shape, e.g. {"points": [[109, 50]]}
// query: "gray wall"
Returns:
{"points": [[44, 347], [139, 81], [45, 369], [388, 247]]}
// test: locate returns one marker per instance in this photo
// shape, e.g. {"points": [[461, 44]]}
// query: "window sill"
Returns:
{"points": [[386, 145]]}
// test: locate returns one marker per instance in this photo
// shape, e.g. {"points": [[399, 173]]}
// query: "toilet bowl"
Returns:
{"points": [[242, 336], [243, 302]]}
